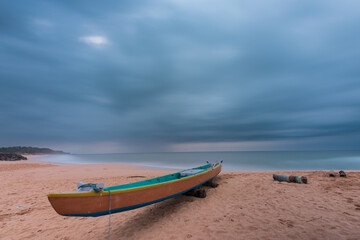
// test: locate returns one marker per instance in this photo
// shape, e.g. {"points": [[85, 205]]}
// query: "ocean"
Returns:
{"points": [[233, 161]]}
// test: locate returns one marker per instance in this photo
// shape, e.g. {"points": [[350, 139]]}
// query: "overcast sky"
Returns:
{"points": [[144, 76]]}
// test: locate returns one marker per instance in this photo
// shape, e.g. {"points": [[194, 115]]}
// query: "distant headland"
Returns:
{"points": [[16, 153]]}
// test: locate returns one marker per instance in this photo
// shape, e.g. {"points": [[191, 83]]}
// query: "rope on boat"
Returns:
{"points": [[109, 233]]}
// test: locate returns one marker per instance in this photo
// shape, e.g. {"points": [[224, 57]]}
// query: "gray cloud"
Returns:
{"points": [[177, 72]]}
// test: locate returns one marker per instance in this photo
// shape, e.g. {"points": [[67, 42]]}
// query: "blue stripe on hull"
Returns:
{"points": [[98, 214]]}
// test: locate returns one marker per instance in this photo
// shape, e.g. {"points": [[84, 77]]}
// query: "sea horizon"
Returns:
{"points": [[233, 160]]}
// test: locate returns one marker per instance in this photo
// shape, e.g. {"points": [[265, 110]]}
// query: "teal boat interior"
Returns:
{"points": [[162, 179]]}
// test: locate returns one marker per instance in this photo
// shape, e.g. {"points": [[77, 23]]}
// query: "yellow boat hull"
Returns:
{"points": [[91, 204]]}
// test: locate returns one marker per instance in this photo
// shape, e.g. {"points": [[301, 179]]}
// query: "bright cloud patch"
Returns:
{"points": [[94, 40]]}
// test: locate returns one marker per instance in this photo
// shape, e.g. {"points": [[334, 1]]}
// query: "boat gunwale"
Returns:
{"points": [[102, 193]]}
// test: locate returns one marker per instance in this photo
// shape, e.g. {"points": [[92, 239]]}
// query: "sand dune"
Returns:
{"points": [[246, 205]]}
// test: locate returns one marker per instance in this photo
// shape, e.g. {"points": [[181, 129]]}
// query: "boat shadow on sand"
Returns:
{"points": [[134, 225]]}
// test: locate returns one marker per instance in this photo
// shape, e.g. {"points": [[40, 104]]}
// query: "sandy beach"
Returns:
{"points": [[245, 205]]}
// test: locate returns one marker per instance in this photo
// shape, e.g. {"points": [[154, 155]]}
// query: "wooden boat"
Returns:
{"points": [[133, 195]]}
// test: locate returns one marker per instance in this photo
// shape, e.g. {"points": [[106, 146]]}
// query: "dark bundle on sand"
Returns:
{"points": [[333, 174], [287, 178], [342, 173]]}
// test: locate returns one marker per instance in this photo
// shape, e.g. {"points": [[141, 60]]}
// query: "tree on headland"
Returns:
{"points": [[29, 150]]}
